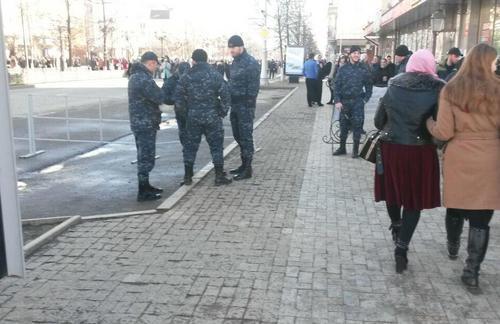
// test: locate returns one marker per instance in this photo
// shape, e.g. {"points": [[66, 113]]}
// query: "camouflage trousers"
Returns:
{"points": [[181, 125], [214, 134], [242, 118], [352, 118], [145, 141]]}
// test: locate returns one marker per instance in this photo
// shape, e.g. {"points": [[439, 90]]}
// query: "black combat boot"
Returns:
{"points": [[476, 248], [355, 150], [188, 174], [246, 173], [341, 150], [239, 169], [220, 176], [145, 194], [151, 188], [454, 227]]}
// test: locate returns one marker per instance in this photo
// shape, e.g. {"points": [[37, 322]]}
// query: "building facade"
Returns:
{"points": [[437, 25]]}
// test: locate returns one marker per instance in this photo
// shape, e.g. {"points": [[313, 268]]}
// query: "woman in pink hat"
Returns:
{"points": [[407, 171]]}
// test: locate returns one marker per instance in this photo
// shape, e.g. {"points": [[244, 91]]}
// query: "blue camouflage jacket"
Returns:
{"points": [[171, 85], [244, 79], [353, 81], [144, 99], [203, 94]]}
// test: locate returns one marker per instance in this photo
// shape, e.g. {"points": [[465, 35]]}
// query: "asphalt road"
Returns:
{"points": [[103, 180]]}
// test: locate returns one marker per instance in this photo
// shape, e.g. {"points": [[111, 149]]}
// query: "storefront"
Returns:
{"points": [[438, 25]]}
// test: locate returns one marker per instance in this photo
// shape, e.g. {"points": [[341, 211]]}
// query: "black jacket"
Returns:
{"points": [[410, 99]]}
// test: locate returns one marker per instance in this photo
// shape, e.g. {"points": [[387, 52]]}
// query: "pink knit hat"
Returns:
{"points": [[422, 61]]}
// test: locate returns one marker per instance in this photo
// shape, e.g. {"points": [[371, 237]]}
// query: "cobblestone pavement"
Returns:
{"points": [[301, 242]]}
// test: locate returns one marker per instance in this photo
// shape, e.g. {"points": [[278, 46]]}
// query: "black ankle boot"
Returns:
{"points": [[355, 150], [238, 170], [188, 174], [220, 176], [476, 248], [151, 188], [454, 227], [401, 258], [247, 171], [145, 194], [341, 150], [395, 228]]}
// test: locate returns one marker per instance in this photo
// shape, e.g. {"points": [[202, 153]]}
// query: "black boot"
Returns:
{"points": [[355, 150], [145, 194], [395, 228], [476, 248], [246, 173], [401, 258], [341, 150], [153, 189], [188, 174], [454, 227], [220, 176], [239, 169]]}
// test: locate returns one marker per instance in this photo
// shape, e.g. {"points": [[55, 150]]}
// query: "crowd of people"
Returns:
{"points": [[202, 99], [453, 106]]}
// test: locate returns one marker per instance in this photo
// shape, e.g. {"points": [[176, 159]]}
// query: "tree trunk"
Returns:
{"points": [[68, 27]]}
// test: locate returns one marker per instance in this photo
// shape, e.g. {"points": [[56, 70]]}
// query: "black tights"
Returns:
{"points": [[409, 221], [477, 218]]}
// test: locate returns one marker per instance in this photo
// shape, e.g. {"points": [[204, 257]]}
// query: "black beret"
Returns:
{"points": [[402, 50], [355, 48], [235, 41], [455, 51], [149, 56]]}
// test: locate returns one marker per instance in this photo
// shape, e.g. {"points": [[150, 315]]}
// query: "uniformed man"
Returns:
{"points": [[144, 98], [353, 88], [244, 83], [204, 96], [171, 85]]}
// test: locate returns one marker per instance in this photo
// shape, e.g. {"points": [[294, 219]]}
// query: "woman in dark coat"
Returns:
{"points": [[408, 177]]}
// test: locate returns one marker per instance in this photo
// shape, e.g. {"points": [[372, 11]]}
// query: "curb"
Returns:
{"points": [[45, 221], [34, 245], [117, 215], [171, 201]]}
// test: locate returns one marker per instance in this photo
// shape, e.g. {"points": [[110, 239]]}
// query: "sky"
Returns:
{"points": [[213, 17]]}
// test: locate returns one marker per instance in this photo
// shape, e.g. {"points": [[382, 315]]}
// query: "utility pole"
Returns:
{"points": [[104, 34], [68, 29], [60, 30], [264, 81], [25, 46]]}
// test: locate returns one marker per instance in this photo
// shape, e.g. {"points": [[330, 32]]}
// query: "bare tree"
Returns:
{"points": [[69, 32]]}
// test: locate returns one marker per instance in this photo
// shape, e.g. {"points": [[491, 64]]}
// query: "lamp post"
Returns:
{"points": [[264, 81], [437, 25]]}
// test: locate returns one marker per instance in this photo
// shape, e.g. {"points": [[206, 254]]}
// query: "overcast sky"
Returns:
{"points": [[213, 17]]}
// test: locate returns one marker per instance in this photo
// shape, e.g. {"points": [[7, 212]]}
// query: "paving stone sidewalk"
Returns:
{"points": [[301, 242]]}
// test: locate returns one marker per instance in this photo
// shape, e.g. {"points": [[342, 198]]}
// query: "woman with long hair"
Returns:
{"points": [[408, 177], [469, 120]]}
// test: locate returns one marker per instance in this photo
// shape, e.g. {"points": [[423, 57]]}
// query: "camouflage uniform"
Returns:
{"points": [[244, 83], [144, 98], [353, 88], [203, 95], [170, 87]]}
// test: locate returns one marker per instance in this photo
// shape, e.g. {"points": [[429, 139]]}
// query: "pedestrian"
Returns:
{"points": [[311, 73], [324, 71], [244, 84], [383, 74], [469, 120], [407, 173], [450, 65], [144, 98], [180, 114], [204, 98], [401, 57], [353, 89], [342, 60]]}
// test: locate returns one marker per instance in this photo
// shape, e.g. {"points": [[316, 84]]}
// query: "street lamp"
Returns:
{"points": [[437, 26]]}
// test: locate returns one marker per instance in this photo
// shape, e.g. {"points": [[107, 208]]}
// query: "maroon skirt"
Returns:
{"points": [[410, 178]]}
